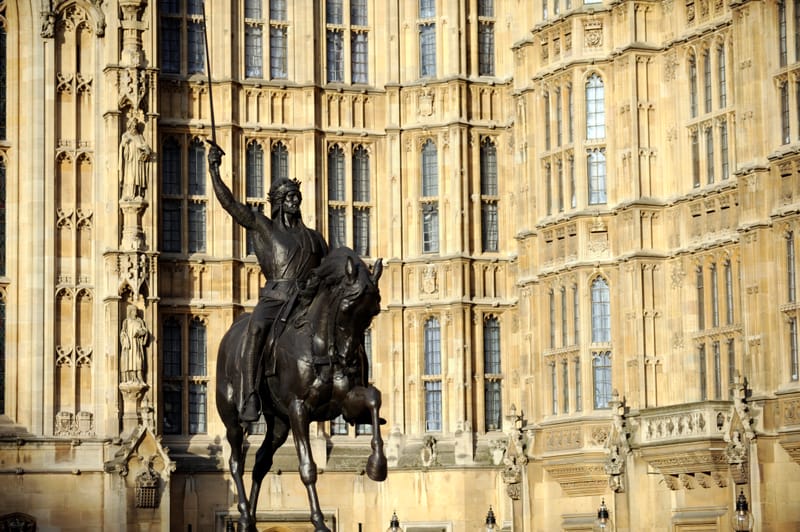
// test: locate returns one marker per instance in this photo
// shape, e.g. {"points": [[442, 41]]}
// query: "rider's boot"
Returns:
{"points": [[250, 409]]}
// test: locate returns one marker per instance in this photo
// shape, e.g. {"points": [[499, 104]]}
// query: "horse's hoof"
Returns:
{"points": [[376, 467]]}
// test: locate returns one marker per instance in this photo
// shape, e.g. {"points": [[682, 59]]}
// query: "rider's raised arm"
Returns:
{"points": [[240, 212]]}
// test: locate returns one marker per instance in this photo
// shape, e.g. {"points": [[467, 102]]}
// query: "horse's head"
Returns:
{"points": [[350, 288]]}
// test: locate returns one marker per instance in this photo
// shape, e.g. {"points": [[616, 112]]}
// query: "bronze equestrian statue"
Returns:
{"points": [[307, 345], [286, 250]]}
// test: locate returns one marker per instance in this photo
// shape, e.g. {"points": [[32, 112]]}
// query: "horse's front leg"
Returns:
{"points": [[359, 401], [299, 420]]}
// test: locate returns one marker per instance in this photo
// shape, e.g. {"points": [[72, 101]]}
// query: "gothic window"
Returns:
{"points": [[601, 371], [358, 12], [171, 30], [196, 208], [701, 296], [794, 360], [564, 386], [722, 77], [784, 101], [782, 45], [703, 372], [427, 38], [278, 49], [254, 171], [560, 185], [554, 388], [359, 56], [548, 183], [707, 81], [185, 382], [333, 11], [791, 268], [337, 230], [695, 146], [432, 376], [573, 192], [797, 30], [564, 327], [430, 171], [559, 118], [714, 296], [338, 426], [551, 297], [3, 82], [723, 149], [595, 108], [430, 227], [335, 48], [546, 98], [717, 371], [576, 316], [336, 174], [731, 365], [2, 356], [183, 204], [3, 226], [596, 173], [492, 374], [570, 116], [692, 86], [361, 199], [728, 271], [253, 39], [709, 155], [486, 37], [488, 177], [601, 311], [279, 162], [578, 385]]}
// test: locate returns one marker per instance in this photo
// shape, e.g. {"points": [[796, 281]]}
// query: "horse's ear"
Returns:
{"points": [[350, 269], [377, 270]]}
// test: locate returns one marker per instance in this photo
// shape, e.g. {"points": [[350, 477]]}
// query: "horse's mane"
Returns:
{"points": [[327, 275]]}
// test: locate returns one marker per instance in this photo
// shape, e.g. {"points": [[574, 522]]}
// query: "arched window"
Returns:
{"points": [[432, 376], [601, 311], [492, 374], [430, 169], [692, 86], [336, 174], [279, 165], [596, 174], [254, 171], [595, 108], [601, 372]]}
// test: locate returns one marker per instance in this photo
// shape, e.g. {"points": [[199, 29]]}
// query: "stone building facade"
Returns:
{"points": [[587, 210]]}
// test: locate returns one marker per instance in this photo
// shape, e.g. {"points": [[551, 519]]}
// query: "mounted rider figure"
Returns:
{"points": [[287, 252]]}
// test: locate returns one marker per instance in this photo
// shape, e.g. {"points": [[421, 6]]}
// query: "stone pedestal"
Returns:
{"points": [[132, 234], [132, 394]]}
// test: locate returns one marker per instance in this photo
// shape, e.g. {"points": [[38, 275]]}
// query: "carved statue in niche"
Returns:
{"points": [[134, 156], [133, 337]]}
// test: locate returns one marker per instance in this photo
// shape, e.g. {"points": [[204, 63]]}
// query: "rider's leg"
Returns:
{"points": [[253, 343]]}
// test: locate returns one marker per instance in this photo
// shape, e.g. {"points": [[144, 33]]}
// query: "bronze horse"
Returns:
{"points": [[318, 373]]}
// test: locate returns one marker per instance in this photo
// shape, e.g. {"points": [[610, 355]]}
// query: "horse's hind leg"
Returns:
{"points": [[235, 436], [298, 417], [356, 402], [277, 432]]}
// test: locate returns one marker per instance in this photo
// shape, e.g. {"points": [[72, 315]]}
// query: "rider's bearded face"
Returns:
{"points": [[291, 202]]}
